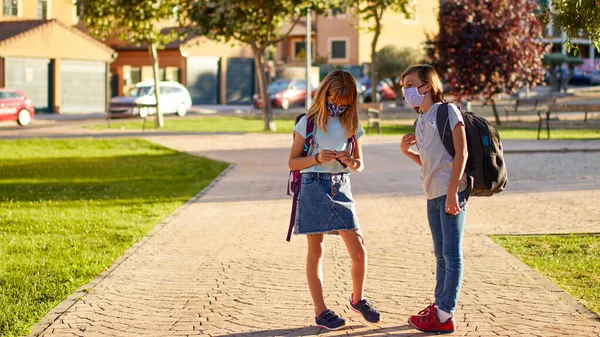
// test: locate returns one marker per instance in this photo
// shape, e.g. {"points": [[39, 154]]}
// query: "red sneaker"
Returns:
{"points": [[427, 311], [427, 321]]}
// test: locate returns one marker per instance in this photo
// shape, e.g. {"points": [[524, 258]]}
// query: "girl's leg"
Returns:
{"points": [[434, 207], [358, 254], [314, 271], [453, 231]]}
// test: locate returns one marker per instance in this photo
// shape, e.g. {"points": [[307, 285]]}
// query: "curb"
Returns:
{"points": [[59, 310], [563, 150]]}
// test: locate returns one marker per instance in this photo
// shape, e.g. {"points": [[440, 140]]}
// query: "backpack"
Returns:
{"points": [[295, 177], [485, 167]]}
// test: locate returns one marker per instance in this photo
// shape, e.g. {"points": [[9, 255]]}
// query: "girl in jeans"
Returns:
{"points": [[325, 203], [444, 182]]}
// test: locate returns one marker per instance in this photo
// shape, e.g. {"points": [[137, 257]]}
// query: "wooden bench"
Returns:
{"points": [[529, 106], [589, 112], [373, 111]]}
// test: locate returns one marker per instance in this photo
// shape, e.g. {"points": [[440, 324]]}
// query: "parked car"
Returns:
{"points": [[579, 77], [384, 90], [284, 93], [15, 106], [595, 77], [173, 97]]}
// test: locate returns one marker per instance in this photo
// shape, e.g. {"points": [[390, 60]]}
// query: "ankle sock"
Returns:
{"points": [[443, 316]]}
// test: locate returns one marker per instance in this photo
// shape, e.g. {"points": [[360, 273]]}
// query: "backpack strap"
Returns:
{"points": [[443, 126], [310, 135], [308, 142]]}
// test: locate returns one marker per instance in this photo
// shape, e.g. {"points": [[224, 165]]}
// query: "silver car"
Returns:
{"points": [[174, 98]]}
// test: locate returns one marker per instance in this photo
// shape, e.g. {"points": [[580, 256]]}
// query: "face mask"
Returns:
{"points": [[336, 110], [413, 97]]}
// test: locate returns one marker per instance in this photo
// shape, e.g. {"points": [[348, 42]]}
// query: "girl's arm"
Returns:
{"points": [[297, 162], [459, 139], [409, 140]]}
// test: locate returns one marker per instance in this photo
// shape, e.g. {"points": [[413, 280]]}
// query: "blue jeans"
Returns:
{"points": [[447, 233]]}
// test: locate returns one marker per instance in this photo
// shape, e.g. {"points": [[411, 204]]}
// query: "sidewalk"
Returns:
{"points": [[221, 267]]}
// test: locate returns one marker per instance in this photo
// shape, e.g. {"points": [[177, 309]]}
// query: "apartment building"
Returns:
{"points": [[60, 68], [340, 39]]}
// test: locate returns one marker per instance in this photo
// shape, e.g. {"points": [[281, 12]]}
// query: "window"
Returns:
{"points": [[135, 75], [338, 49], [298, 85], [299, 49], [11, 8], [43, 9]]}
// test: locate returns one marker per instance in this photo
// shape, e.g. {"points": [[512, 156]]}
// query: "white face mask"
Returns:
{"points": [[413, 97]]}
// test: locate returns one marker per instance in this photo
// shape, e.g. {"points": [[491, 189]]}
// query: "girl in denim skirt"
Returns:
{"points": [[445, 183], [325, 203]]}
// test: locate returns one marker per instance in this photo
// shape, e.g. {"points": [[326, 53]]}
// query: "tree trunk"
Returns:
{"points": [[495, 112], [160, 123], [569, 76], [374, 81], [262, 85]]}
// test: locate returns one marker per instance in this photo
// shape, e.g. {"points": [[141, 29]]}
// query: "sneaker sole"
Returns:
{"points": [[431, 331], [358, 312], [331, 329]]}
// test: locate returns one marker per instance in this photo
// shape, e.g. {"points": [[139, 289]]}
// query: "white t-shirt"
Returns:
{"points": [[334, 139], [437, 162]]}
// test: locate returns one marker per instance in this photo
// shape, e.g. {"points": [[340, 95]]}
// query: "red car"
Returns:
{"points": [[284, 93], [14, 106]]}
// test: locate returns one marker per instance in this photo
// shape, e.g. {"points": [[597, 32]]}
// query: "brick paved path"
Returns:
{"points": [[221, 266]]}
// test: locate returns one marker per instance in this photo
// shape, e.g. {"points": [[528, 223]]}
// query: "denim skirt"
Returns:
{"points": [[325, 204]]}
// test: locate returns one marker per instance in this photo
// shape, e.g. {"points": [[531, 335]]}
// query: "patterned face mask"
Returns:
{"points": [[336, 110]]}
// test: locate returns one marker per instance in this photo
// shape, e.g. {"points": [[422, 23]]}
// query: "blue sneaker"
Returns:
{"points": [[330, 320], [366, 309]]}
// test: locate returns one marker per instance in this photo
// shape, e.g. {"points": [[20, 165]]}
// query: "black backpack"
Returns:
{"points": [[486, 167]]}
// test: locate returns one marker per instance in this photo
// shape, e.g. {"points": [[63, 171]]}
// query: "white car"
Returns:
{"points": [[174, 98]]}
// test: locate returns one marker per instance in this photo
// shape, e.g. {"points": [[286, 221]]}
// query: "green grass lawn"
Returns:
{"points": [[285, 125], [203, 124], [571, 262], [71, 207]]}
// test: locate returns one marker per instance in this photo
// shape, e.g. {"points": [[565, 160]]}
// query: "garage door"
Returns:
{"points": [[240, 81], [32, 77], [83, 86], [203, 79]]}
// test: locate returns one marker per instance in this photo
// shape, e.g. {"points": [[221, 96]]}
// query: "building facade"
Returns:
{"points": [[60, 68], [341, 39]]}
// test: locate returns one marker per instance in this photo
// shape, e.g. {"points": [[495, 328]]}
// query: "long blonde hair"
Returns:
{"points": [[341, 86], [427, 74]]}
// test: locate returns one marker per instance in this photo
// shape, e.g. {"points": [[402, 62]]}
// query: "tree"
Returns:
{"points": [[392, 61], [554, 63], [488, 47], [371, 12], [576, 16], [258, 24], [134, 21]]}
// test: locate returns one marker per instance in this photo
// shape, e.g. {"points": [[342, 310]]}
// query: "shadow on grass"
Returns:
{"points": [[153, 178]]}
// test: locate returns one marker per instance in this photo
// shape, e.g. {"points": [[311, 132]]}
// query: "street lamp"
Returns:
{"points": [[308, 53]]}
